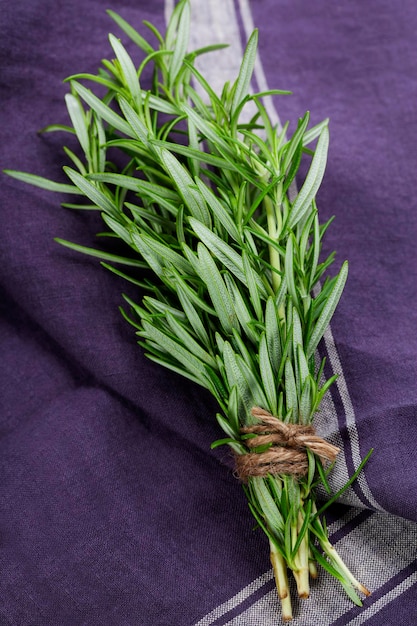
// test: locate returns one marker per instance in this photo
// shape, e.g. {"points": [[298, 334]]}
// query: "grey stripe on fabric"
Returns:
{"points": [[249, 26], [327, 425], [169, 7], [376, 550], [350, 416], [216, 22], [237, 599], [386, 599], [259, 582]]}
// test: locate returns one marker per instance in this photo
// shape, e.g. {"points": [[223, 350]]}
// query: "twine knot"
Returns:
{"points": [[287, 453]]}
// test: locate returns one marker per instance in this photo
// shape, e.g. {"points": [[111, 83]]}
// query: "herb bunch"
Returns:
{"points": [[231, 300]]}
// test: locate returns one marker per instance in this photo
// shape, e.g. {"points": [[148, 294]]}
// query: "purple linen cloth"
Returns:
{"points": [[114, 511]]}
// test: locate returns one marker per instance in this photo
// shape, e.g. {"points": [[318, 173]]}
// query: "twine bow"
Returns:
{"points": [[288, 452]]}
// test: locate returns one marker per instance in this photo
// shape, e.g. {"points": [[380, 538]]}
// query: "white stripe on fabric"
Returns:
{"points": [[384, 600], [350, 416], [326, 423], [382, 547], [169, 7], [259, 582], [240, 597], [249, 26], [216, 22]]}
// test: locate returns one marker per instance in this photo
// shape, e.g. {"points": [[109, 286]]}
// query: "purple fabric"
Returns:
{"points": [[113, 508]]}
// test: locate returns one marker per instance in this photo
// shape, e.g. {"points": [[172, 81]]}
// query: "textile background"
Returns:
{"points": [[114, 510]]}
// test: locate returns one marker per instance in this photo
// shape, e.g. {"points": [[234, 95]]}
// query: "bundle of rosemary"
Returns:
{"points": [[227, 265]]}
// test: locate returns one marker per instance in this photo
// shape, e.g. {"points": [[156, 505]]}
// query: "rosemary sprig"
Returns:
{"points": [[203, 202]]}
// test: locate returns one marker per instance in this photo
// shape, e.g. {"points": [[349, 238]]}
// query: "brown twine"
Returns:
{"points": [[288, 452]]}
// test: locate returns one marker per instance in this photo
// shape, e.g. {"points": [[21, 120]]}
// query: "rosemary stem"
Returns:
{"points": [[303, 583], [333, 555], [312, 567], [273, 232], [281, 581]]}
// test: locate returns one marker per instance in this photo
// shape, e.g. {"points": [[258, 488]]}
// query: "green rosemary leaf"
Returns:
{"points": [[181, 42], [290, 389], [217, 290], [281, 294], [154, 260], [130, 279], [328, 310], [131, 32], [292, 145], [241, 348], [218, 209], [226, 427], [302, 365], [253, 384], [192, 153], [289, 270], [77, 115], [314, 250], [80, 207], [186, 339], [193, 317], [102, 109], [182, 371], [127, 67], [175, 349], [100, 254], [76, 160], [314, 132], [194, 297], [312, 182], [159, 311], [206, 49], [186, 187], [239, 375], [304, 406], [222, 442], [242, 84], [115, 225], [322, 391], [51, 128], [43, 183], [351, 480], [167, 255], [159, 104], [220, 249], [215, 101], [272, 335], [111, 84], [233, 409], [153, 190], [270, 510], [154, 30], [252, 281], [210, 132], [260, 197], [267, 375], [92, 192], [242, 310], [137, 125]]}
